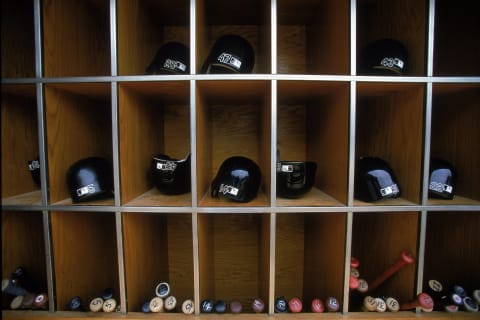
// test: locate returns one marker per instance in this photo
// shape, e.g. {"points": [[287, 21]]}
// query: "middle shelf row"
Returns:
{"points": [[305, 252], [311, 121]]}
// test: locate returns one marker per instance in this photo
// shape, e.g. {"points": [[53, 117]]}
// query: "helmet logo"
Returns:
{"points": [[174, 65], [35, 164], [285, 168], [167, 166], [228, 59], [392, 63], [86, 190], [440, 187], [224, 188], [393, 189]]}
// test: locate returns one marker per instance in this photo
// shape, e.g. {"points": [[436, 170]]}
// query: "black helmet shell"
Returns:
{"points": [[442, 179], [230, 54], [295, 178], [171, 58], [383, 57], [171, 176], [90, 179], [237, 179], [375, 180]]}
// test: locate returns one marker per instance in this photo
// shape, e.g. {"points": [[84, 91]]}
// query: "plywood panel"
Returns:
{"points": [[87, 23], [377, 241], [19, 139], [84, 247]]}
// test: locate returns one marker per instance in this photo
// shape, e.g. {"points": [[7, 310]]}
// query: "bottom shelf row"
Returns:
{"points": [[286, 260]]}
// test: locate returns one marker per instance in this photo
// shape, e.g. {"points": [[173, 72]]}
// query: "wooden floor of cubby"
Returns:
{"points": [[43, 315]]}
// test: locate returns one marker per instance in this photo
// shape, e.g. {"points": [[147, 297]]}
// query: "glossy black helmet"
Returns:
{"points": [[34, 168], [295, 178], [375, 180], [171, 176], [237, 179], [230, 54], [383, 57], [442, 179], [171, 58], [90, 179]]}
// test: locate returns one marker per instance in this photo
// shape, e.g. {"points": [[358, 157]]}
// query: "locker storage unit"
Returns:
{"points": [[74, 85]]}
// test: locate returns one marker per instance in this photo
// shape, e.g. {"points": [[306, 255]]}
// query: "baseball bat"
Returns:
{"points": [[423, 301], [405, 258]]}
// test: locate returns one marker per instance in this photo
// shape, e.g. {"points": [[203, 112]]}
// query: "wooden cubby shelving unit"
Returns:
{"points": [[73, 85]]}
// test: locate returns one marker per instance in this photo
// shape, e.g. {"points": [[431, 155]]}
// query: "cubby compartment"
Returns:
{"points": [[454, 138], [457, 27], [312, 125], [310, 256], [451, 251], [389, 125], [402, 20], [248, 19], [85, 256], [234, 257], [164, 253], [154, 118], [18, 39], [76, 38], [313, 37], [20, 144], [232, 119], [144, 26], [378, 240], [78, 125], [23, 245]]}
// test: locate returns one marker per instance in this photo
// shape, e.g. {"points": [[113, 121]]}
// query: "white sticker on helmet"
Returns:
{"points": [[86, 190], [166, 166], [174, 65], [440, 187], [224, 188], [286, 168], [228, 59], [390, 62], [389, 190], [35, 164]]}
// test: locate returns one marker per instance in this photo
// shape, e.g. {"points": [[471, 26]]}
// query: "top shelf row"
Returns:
{"points": [[288, 37]]}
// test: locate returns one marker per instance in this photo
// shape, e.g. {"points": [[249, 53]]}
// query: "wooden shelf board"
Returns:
{"points": [[43, 315], [102, 202], [384, 202], [457, 200], [154, 197], [29, 198], [314, 198], [207, 201]]}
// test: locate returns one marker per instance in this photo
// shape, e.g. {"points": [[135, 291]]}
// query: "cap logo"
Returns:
{"points": [[86, 190], [229, 59], [227, 189], [174, 65]]}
